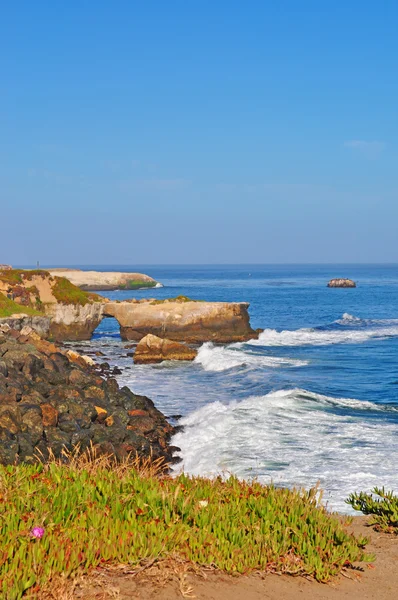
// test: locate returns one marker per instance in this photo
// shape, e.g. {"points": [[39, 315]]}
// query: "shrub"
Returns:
{"points": [[383, 508], [66, 292]]}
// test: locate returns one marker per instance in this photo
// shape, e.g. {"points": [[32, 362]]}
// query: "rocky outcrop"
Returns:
{"points": [[74, 322], [106, 281], [67, 312], [152, 349], [341, 283], [41, 325], [49, 402], [5, 267], [185, 320]]}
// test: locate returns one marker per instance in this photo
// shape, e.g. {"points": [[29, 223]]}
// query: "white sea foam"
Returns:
{"points": [[221, 358], [354, 321], [324, 337], [294, 438], [348, 319], [159, 285]]}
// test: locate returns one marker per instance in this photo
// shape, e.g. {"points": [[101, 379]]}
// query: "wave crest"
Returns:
{"points": [[324, 337], [294, 438], [222, 358]]}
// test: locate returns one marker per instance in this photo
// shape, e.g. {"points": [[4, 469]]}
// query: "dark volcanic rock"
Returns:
{"points": [[51, 401]]}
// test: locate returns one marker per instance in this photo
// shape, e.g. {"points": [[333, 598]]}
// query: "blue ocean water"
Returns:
{"points": [[315, 399]]}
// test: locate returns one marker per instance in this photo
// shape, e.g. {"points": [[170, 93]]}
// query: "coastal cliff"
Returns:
{"points": [[183, 320], [73, 314], [52, 306], [106, 281]]}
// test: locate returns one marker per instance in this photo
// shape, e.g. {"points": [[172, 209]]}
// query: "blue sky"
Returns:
{"points": [[198, 131]]}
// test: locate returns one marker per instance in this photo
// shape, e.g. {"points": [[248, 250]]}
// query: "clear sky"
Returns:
{"points": [[198, 131]]}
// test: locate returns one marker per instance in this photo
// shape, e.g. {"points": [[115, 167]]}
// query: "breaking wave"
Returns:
{"points": [[350, 329], [221, 358], [284, 437]]}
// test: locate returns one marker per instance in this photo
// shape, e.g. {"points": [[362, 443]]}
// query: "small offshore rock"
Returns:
{"points": [[341, 283]]}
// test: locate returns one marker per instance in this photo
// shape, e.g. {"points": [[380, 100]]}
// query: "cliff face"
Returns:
{"points": [[106, 281], [73, 321], [189, 321], [52, 306], [41, 325]]}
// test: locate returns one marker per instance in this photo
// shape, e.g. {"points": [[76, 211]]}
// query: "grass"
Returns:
{"points": [[66, 292], [94, 512], [381, 505], [9, 307], [63, 290], [135, 284], [176, 299], [15, 276]]}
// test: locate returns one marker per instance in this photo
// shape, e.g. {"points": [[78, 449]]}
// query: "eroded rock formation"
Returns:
{"points": [[106, 281], [74, 322], [152, 349], [186, 320], [41, 325], [52, 306]]}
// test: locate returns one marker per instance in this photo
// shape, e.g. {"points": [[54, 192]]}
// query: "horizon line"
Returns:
{"points": [[193, 264]]}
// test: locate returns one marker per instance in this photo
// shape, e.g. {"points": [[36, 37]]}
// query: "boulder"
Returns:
{"points": [[153, 349], [341, 283], [183, 320], [106, 281]]}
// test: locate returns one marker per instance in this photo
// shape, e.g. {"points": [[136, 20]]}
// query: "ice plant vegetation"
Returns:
{"points": [[381, 505], [100, 513]]}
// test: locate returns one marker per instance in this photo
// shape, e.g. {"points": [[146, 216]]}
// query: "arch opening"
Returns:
{"points": [[108, 328]]}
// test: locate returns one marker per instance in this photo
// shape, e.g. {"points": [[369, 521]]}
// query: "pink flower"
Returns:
{"points": [[37, 532]]}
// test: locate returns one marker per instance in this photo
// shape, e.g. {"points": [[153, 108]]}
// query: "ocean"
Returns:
{"points": [[313, 400]]}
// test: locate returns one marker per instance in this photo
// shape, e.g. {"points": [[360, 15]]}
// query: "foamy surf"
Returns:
{"points": [[352, 320], [222, 358], [365, 330], [294, 438]]}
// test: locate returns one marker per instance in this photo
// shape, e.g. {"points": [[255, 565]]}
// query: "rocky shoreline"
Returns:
{"points": [[53, 400]]}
